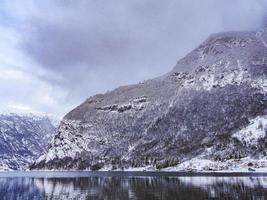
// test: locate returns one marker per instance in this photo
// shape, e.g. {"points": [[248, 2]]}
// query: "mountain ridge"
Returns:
{"points": [[212, 93]]}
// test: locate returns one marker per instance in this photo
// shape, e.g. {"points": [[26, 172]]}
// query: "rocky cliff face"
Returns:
{"points": [[211, 106], [23, 138]]}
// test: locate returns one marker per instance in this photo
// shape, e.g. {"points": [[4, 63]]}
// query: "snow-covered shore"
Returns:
{"points": [[194, 165]]}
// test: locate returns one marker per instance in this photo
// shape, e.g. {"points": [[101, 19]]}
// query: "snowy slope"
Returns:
{"points": [[254, 132], [22, 139]]}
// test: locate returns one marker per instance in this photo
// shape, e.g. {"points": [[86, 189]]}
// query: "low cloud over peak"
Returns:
{"points": [[93, 46]]}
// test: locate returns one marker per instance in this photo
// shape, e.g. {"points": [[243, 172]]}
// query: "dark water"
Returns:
{"points": [[123, 186]]}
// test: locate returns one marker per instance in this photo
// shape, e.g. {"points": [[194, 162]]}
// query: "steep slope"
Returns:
{"points": [[201, 109], [23, 138]]}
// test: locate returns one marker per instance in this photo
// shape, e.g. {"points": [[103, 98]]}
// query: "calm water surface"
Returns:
{"points": [[123, 186]]}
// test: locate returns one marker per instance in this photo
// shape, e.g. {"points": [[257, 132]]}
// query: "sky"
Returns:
{"points": [[56, 53]]}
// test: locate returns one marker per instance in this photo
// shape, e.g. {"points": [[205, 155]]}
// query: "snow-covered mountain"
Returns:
{"points": [[211, 107], [23, 138]]}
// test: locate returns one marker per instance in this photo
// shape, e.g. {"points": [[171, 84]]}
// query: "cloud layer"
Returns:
{"points": [[86, 47]]}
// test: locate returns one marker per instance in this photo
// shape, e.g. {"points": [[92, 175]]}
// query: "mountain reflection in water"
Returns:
{"points": [[124, 187]]}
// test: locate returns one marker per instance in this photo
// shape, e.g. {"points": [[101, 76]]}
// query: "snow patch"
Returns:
{"points": [[251, 134]]}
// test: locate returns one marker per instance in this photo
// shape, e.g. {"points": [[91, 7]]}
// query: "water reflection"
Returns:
{"points": [[123, 188]]}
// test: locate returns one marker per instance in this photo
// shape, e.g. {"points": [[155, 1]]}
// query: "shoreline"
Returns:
{"points": [[76, 173]]}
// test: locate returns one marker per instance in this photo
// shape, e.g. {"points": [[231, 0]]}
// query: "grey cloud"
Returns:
{"points": [[98, 45]]}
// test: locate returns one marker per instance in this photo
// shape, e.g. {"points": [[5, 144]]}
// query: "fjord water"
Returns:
{"points": [[123, 186]]}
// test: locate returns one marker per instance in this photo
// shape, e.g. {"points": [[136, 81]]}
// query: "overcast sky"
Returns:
{"points": [[56, 53]]}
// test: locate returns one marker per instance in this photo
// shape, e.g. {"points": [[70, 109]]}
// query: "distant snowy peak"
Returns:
{"points": [[55, 120], [23, 137]]}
